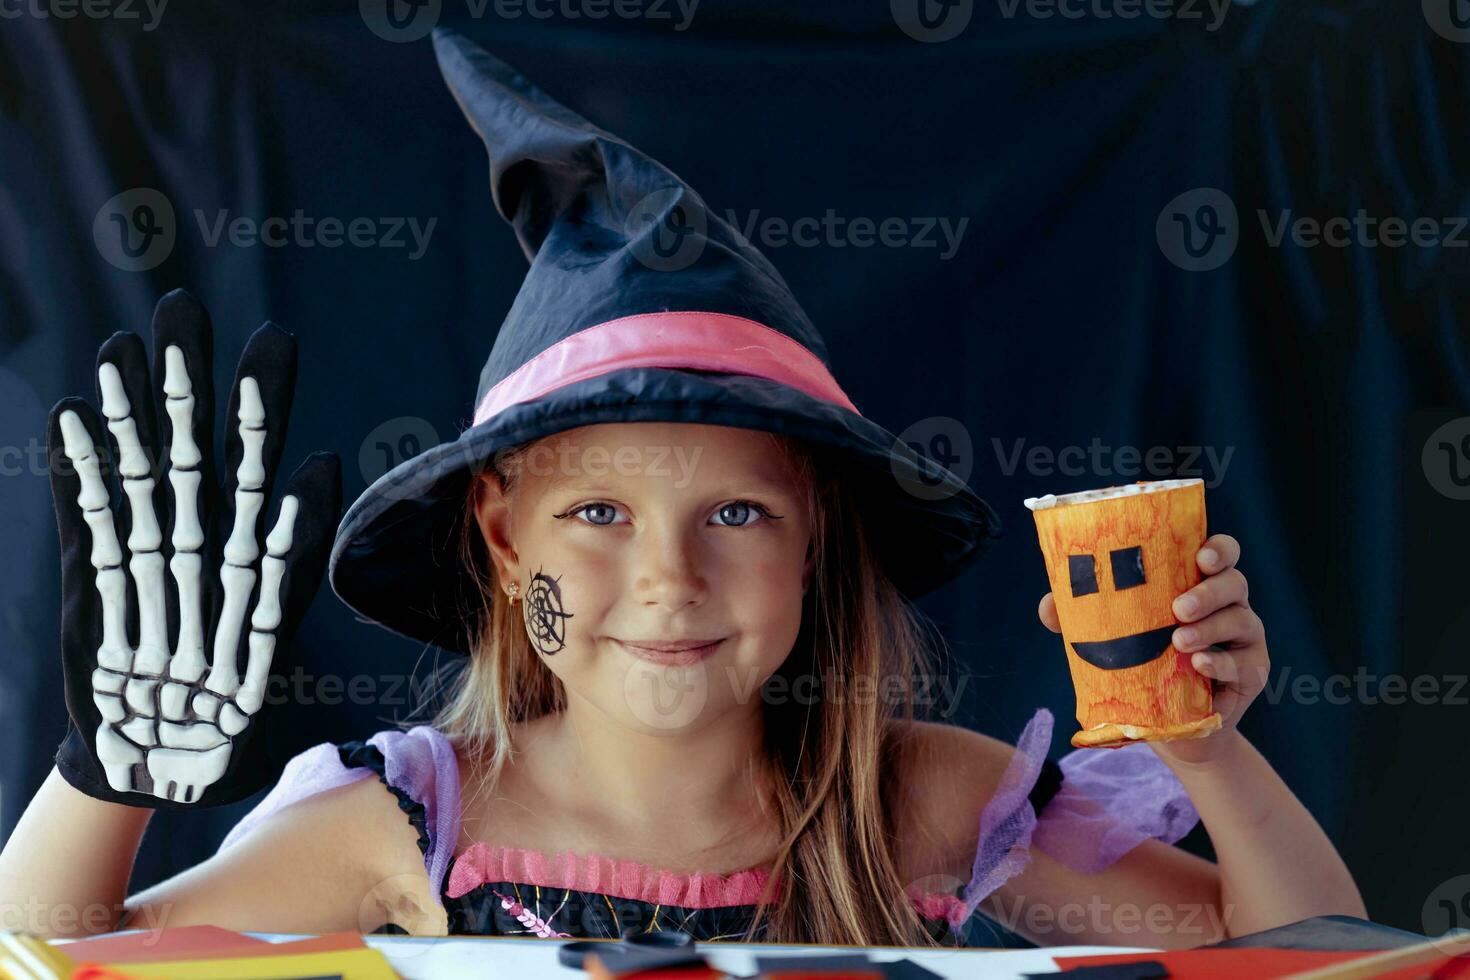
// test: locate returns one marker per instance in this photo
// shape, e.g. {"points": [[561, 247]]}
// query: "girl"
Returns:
{"points": [[679, 561]]}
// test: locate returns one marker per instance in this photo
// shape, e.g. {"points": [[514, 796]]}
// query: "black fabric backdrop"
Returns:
{"points": [[1313, 374]]}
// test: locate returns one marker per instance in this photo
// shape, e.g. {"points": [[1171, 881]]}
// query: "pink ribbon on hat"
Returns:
{"points": [[692, 340]]}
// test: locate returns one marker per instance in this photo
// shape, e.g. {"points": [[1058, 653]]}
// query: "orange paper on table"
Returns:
{"points": [[1117, 559]]}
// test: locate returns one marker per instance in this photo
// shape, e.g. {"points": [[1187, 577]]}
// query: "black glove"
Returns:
{"points": [[167, 668]]}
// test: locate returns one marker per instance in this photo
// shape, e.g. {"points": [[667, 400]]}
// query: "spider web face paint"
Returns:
{"points": [[544, 615]]}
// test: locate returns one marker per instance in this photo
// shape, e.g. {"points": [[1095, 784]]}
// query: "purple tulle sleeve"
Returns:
{"points": [[419, 765], [1110, 801]]}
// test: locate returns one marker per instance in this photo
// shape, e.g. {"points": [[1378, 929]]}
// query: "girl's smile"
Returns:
{"points": [[674, 654]]}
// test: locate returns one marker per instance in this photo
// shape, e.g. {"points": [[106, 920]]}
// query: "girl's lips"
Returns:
{"points": [[678, 658]]}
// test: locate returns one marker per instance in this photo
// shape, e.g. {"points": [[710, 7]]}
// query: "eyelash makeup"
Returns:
{"points": [[759, 508]]}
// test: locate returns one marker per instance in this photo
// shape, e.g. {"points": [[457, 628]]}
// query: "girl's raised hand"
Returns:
{"points": [[167, 672], [1225, 636]]}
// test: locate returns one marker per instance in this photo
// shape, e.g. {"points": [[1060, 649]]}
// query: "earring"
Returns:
{"points": [[512, 592]]}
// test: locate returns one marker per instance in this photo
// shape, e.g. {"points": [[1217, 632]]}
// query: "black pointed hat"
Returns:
{"points": [[639, 305]]}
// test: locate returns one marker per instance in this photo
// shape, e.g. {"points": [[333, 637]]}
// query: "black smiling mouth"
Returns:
{"points": [[1126, 651]]}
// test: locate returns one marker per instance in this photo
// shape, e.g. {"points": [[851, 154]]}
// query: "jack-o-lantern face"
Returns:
{"points": [[1117, 560], [1126, 567]]}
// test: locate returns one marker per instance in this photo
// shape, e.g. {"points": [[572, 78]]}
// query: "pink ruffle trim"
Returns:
{"points": [[482, 864]]}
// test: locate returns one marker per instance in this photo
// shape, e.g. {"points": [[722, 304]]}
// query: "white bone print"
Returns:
{"points": [[166, 727]]}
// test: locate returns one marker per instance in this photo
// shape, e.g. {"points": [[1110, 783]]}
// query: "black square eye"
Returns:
{"points": [[1127, 568], [1083, 571]]}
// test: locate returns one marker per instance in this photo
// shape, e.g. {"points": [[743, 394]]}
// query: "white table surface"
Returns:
{"points": [[431, 958]]}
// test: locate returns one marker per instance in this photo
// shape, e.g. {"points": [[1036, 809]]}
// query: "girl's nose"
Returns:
{"points": [[668, 572]]}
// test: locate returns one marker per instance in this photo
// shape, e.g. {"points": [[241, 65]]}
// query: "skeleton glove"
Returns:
{"points": [[167, 670]]}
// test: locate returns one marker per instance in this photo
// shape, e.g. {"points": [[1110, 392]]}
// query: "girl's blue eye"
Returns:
{"points": [[741, 509], [596, 506]]}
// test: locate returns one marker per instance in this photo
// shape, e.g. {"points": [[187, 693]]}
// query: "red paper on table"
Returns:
{"points": [[1263, 962], [198, 943]]}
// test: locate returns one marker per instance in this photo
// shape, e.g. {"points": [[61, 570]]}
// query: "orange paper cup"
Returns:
{"points": [[1117, 559]]}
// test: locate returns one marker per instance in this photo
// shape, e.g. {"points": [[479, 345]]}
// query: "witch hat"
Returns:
{"points": [[639, 305]]}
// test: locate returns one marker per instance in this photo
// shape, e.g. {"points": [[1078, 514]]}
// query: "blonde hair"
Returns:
{"points": [[833, 755]]}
